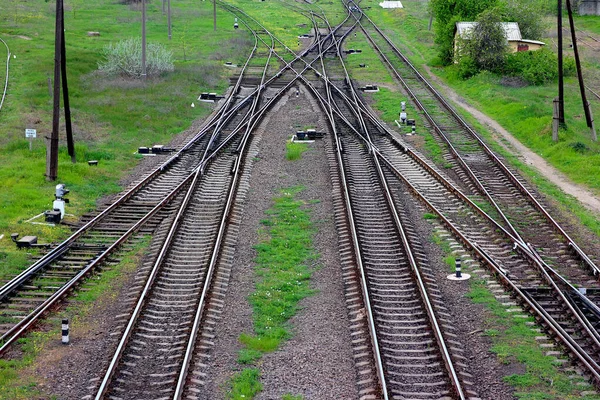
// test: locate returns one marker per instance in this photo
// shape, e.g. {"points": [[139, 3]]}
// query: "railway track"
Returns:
{"points": [[39, 288], [404, 342], [537, 278], [160, 353], [409, 348]]}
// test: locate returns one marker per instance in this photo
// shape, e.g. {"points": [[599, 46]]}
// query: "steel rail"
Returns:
{"points": [[194, 176], [579, 355], [565, 338], [541, 266], [327, 106], [6, 79], [440, 132], [26, 323], [217, 246], [445, 354], [64, 246], [250, 125], [491, 154], [582, 354], [15, 332]]}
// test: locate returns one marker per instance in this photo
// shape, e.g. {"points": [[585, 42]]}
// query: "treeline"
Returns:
{"points": [[486, 48]]}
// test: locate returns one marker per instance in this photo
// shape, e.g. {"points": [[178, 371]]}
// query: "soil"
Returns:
{"points": [[588, 198]]}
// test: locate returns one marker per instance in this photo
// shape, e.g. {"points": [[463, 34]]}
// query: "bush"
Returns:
{"points": [[537, 67], [467, 67], [125, 58]]}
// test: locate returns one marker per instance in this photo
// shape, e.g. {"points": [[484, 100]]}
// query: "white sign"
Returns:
{"points": [[30, 133]]}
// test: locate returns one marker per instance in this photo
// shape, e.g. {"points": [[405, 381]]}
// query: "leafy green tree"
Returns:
{"points": [[487, 44], [447, 13], [528, 14]]}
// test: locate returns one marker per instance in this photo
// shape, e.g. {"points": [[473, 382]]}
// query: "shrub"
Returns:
{"points": [[467, 67], [125, 58], [537, 67]]}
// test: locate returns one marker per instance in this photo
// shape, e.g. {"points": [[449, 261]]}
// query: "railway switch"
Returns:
{"points": [[403, 117], [24, 242], [61, 191]]}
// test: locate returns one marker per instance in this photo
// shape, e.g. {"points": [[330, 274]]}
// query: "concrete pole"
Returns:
{"points": [[52, 149], [143, 39], [169, 17]]}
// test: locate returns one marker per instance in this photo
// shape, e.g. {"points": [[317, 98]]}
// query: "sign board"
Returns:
{"points": [[30, 133]]}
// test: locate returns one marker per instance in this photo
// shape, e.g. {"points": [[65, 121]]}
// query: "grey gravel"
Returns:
{"points": [[317, 362]]}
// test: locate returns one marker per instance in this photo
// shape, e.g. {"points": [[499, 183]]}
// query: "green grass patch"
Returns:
{"points": [[245, 384], [291, 397], [294, 150], [429, 216], [13, 385], [526, 112], [111, 116], [514, 342], [283, 268]]}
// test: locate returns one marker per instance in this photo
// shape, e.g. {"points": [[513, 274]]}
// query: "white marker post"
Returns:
{"points": [[30, 134]]}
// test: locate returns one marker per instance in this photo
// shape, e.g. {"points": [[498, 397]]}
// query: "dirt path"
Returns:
{"points": [[581, 193]]}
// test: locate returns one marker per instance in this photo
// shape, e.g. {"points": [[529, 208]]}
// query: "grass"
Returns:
{"points": [[294, 150], [525, 112], [16, 385], [111, 116], [283, 269], [513, 341]]}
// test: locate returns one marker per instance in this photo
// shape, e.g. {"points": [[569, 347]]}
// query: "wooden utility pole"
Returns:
{"points": [[586, 105], [63, 69], [143, 39], [169, 17], [52, 149], [561, 86], [60, 72]]}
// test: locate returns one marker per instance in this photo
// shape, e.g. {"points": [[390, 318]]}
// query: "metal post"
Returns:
{"points": [[65, 331], [52, 149], [169, 17], [586, 104], [561, 88], [457, 268], [555, 119], [143, 39], [63, 70]]}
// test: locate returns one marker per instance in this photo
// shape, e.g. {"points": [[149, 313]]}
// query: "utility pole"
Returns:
{"points": [[586, 104], [169, 17], [52, 149], [143, 39], [561, 88], [215, 15], [63, 69]]}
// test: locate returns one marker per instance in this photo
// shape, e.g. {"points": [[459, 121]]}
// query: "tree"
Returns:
{"points": [[527, 14], [447, 13], [486, 45]]}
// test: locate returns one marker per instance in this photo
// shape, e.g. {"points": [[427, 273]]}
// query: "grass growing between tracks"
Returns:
{"points": [[111, 116], [283, 272], [525, 112], [514, 341], [19, 376], [294, 150]]}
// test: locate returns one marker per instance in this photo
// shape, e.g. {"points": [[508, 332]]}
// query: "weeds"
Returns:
{"points": [[282, 267]]}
